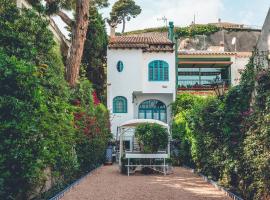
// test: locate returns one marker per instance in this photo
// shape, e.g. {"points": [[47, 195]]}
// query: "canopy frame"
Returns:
{"points": [[131, 124]]}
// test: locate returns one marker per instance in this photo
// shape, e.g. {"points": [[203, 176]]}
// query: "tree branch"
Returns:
{"points": [[65, 18]]}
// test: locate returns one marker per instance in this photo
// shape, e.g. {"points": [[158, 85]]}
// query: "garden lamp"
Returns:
{"points": [[219, 89]]}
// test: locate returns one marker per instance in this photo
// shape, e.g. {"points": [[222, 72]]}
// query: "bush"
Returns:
{"points": [[42, 140], [93, 127], [229, 140], [152, 137]]}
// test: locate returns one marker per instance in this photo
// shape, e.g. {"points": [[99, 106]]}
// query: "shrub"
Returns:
{"points": [[152, 137], [229, 140], [40, 133], [93, 127]]}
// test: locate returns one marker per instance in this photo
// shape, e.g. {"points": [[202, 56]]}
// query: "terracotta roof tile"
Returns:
{"points": [[147, 43]]}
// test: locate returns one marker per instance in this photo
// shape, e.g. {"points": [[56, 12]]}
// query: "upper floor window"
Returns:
{"points": [[120, 105], [120, 66], [158, 70]]}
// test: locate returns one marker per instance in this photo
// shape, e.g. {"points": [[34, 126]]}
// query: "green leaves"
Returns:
{"points": [[229, 140], [122, 11], [153, 137]]}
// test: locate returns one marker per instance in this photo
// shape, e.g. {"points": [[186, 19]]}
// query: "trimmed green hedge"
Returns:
{"points": [[41, 137], [228, 140], [152, 137]]}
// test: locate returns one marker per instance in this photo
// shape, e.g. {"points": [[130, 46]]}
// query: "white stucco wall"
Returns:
{"points": [[159, 86], [134, 79], [239, 64]]}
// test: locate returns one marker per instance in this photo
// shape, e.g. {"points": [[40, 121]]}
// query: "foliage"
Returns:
{"points": [[35, 128], [93, 127], [40, 138], [228, 140], [77, 26], [153, 137], [94, 56], [188, 31], [24, 35], [124, 10], [256, 159], [181, 132]]}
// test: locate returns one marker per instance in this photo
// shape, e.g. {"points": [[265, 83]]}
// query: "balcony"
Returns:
{"points": [[200, 85]]}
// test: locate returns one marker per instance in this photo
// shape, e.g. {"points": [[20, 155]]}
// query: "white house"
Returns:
{"points": [[140, 79]]}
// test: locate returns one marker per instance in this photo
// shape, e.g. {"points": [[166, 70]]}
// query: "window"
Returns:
{"points": [[158, 70], [153, 109], [120, 105], [120, 66], [127, 145]]}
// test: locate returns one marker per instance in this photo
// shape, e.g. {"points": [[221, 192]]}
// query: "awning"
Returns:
{"points": [[136, 122]]}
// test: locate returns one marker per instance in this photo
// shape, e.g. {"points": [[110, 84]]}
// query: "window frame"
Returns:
{"points": [[147, 109], [158, 70], [124, 99], [120, 66]]}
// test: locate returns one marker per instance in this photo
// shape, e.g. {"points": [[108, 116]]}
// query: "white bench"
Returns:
{"points": [[147, 156]]}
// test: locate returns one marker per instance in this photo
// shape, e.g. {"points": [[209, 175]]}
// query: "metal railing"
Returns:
{"points": [[200, 84]]}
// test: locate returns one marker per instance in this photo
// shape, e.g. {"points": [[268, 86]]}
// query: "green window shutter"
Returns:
{"points": [[119, 105], [150, 73], [158, 70]]}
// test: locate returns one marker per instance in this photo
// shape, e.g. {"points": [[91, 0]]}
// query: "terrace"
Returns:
{"points": [[197, 71]]}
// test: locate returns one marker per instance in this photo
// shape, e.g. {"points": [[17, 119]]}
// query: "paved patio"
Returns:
{"points": [[107, 183]]}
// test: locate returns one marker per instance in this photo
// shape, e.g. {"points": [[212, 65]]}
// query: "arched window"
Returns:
{"points": [[120, 66], [153, 109], [158, 70], [120, 105]]}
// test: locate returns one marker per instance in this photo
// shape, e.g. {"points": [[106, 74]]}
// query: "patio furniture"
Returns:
{"points": [[132, 154]]}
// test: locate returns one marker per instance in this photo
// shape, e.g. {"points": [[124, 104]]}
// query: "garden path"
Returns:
{"points": [[107, 183]]}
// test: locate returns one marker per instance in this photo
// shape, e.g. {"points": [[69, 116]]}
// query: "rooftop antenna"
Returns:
{"points": [[164, 19]]}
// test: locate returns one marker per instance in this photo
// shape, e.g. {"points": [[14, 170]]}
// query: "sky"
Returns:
{"points": [[182, 12]]}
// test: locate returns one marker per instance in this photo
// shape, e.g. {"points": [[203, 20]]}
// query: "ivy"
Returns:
{"points": [[229, 140], [189, 31], [41, 139]]}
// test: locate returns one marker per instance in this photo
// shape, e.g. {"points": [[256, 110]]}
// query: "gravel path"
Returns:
{"points": [[107, 183]]}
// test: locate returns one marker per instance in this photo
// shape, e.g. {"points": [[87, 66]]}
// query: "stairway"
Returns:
{"points": [[136, 146]]}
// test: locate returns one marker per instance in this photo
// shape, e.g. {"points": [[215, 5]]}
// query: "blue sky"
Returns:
{"points": [[250, 12]]}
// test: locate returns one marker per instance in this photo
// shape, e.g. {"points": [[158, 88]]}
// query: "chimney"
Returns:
{"points": [[112, 34], [171, 31]]}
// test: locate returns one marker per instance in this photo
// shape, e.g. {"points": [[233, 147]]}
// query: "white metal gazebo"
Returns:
{"points": [[132, 124]]}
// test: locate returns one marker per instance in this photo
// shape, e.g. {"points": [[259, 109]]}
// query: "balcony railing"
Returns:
{"points": [[200, 84]]}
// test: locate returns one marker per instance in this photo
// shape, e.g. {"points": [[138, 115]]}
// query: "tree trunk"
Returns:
{"points": [[65, 18], [124, 25], [79, 31]]}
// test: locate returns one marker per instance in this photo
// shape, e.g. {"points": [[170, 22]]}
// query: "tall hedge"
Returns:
{"points": [[229, 139], [40, 141]]}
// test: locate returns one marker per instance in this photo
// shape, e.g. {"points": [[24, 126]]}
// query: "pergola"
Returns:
{"points": [[132, 124]]}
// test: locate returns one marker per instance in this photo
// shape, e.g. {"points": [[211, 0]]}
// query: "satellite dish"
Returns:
{"points": [[233, 40]]}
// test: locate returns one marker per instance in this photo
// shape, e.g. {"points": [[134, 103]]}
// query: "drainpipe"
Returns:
{"points": [[173, 38]]}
